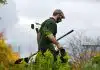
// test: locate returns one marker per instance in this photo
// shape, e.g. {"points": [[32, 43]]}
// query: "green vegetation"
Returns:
{"points": [[3, 1], [87, 61], [43, 62], [93, 64]]}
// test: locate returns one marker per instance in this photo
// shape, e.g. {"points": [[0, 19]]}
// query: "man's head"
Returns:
{"points": [[59, 15]]}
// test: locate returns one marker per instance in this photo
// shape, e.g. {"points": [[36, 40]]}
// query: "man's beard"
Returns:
{"points": [[58, 20]]}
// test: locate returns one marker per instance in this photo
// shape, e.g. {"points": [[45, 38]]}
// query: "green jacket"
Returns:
{"points": [[49, 26]]}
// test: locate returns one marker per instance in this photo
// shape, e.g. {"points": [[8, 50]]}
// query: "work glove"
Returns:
{"points": [[63, 53]]}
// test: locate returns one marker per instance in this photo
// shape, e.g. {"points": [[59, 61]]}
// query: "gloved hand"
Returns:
{"points": [[63, 53]]}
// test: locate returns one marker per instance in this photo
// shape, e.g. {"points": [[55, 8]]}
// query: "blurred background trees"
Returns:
{"points": [[3, 1], [82, 49]]}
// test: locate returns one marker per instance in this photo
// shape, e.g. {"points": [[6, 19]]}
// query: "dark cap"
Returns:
{"points": [[58, 11]]}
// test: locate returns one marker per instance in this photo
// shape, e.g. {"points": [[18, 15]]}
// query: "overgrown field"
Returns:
{"points": [[46, 62]]}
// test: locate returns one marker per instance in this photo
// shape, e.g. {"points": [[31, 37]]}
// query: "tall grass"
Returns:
{"points": [[46, 61]]}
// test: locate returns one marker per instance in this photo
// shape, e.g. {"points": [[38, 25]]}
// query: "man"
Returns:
{"points": [[47, 33]]}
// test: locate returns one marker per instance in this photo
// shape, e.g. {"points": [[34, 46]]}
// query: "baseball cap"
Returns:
{"points": [[58, 11]]}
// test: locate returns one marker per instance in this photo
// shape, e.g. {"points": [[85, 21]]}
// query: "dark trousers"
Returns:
{"points": [[54, 52]]}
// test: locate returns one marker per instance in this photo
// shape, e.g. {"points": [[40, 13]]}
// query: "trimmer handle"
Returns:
{"points": [[37, 30], [32, 26]]}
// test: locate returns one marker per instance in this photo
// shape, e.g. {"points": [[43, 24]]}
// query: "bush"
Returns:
{"points": [[43, 62]]}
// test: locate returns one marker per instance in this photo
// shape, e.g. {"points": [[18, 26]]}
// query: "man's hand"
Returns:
{"points": [[63, 53]]}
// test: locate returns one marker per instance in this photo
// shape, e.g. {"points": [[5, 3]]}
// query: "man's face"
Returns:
{"points": [[59, 18]]}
